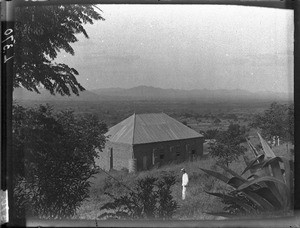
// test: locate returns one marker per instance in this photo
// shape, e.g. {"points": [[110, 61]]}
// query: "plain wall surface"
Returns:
{"points": [[122, 153], [149, 155], [169, 150]]}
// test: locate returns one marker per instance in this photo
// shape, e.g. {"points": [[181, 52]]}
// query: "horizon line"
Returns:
{"points": [[157, 87], [200, 89]]}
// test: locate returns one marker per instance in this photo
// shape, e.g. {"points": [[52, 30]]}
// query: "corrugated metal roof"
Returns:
{"points": [[122, 132], [157, 127], [148, 128]]}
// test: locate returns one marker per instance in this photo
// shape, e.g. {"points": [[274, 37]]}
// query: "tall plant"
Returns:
{"points": [[269, 188]]}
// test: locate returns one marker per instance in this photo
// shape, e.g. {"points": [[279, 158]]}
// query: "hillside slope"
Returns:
{"points": [[194, 207]]}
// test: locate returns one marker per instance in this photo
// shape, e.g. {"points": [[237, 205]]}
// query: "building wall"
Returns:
{"points": [[121, 152], [156, 154]]}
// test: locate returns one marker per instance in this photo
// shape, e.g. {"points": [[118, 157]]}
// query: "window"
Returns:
{"points": [[193, 151], [177, 153], [161, 156]]}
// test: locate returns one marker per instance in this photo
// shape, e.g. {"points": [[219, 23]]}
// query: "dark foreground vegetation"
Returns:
{"points": [[198, 205], [53, 160], [56, 176]]}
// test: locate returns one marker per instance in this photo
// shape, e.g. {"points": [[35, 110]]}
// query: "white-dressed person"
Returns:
{"points": [[185, 181]]}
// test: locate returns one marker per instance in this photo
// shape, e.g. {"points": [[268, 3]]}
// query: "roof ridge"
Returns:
{"points": [[149, 113], [133, 128]]}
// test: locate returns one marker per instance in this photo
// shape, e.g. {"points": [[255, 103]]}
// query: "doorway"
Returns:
{"points": [[145, 163], [111, 157], [193, 155]]}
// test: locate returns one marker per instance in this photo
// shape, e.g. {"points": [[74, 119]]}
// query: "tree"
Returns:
{"points": [[277, 120], [234, 135], [211, 133], [232, 117], [227, 146], [217, 121], [41, 32], [184, 122], [55, 159]]}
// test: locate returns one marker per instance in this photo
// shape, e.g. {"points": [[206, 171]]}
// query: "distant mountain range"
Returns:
{"points": [[44, 95], [154, 93]]}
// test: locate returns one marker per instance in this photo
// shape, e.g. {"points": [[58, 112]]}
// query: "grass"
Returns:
{"points": [[284, 150], [194, 207], [197, 202]]}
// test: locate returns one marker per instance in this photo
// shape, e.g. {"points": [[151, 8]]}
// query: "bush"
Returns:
{"points": [[227, 146], [150, 199], [277, 120], [211, 133], [217, 121], [54, 158]]}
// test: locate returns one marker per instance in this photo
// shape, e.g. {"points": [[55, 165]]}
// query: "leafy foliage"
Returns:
{"points": [[54, 159], [217, 121], [166, 204], [211, 133], [184, 122], [41, 32], [231, 116], [267, 189], [227, 146], [277, 120], [150, 199]]}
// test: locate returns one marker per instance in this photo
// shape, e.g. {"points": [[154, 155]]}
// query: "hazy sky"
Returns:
{"points": [[187, 47]]}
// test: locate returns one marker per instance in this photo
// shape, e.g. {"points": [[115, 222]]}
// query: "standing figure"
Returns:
{"points": [[185, 181]]}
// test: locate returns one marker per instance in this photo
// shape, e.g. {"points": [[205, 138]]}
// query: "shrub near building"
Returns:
{"points": [[54, 158]]}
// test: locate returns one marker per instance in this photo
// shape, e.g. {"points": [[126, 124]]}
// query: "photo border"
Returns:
{"points": [[7, 22]]}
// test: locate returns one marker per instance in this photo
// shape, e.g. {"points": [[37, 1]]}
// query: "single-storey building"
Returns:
{"points": [[143, 141]]}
